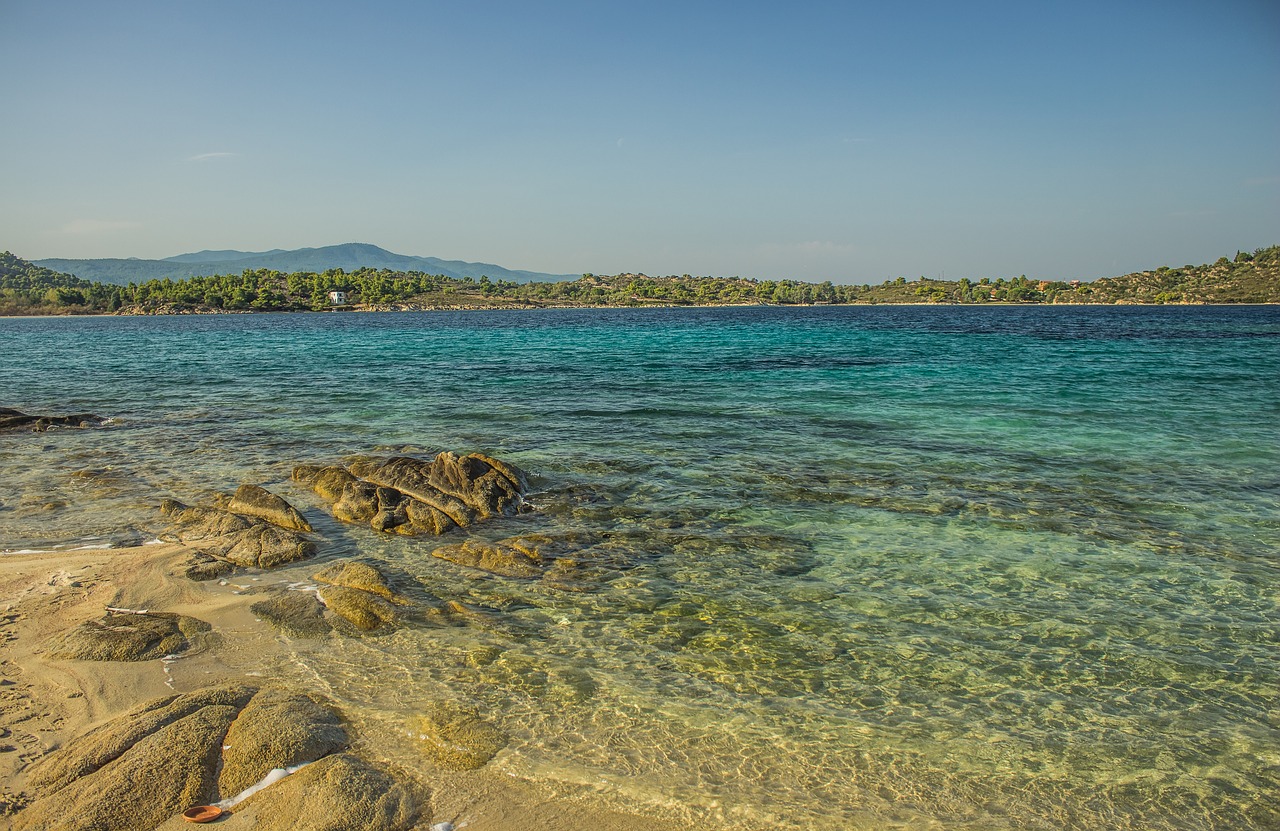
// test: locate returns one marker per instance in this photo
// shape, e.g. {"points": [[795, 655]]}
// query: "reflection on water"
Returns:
{"points": [[1006, 568]]}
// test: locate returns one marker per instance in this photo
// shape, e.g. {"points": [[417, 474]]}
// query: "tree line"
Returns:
{"points": [[29, 289]]}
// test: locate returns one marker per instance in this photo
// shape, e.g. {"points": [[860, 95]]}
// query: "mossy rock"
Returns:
{"points": [[456, 738], [300, 614], [129, 637]]}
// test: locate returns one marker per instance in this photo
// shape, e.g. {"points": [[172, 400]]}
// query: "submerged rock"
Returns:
{"points": [[412, 496], [13, 420], [363, 610], [140, 771], [456, 738], [506, 558], [129, 637]]}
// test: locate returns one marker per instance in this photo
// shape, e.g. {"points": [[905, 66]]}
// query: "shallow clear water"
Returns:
{"points": [[872, 567]]}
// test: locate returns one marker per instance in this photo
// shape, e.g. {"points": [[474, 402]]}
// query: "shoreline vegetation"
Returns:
{"points": [[28, 289]]}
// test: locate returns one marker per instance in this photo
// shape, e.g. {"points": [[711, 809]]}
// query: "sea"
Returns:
{"points": [[869, 567]]}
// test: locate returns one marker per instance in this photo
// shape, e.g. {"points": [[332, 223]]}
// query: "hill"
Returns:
{"points": [[349, 257]]}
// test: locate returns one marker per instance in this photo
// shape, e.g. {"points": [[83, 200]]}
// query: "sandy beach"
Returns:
{"points": [[46, 702]]}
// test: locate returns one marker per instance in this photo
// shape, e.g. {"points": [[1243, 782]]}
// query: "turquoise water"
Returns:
{"points": [[874, 567]]}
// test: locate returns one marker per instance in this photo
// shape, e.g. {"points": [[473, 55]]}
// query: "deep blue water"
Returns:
{"points": [[980, 567]]}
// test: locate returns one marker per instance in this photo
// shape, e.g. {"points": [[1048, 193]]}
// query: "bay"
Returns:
{"points": [[1007, 567]]}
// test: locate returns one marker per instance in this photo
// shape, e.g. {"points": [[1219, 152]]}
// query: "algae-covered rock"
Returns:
{"points": [[277, 729], [456, 738], [13, 420], [357, 575], [299, 614], [367, 612], [341, 792], [256, 501], [128, 637]]}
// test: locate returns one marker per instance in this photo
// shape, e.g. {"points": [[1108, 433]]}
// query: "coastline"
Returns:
{"points": [[401, 308], [45, 702]]}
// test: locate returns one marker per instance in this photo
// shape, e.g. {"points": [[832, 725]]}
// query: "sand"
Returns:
{"points": [[46, 702]]}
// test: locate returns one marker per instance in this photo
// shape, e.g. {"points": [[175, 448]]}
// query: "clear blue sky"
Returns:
{"points": [[850, 141]]}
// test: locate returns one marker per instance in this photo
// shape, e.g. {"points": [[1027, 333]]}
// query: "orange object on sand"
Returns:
{"points": [[202, 813]]}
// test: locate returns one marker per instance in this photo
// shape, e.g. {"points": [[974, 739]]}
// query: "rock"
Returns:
{"points": [[140, 771], [128, 637], [243, 541], [507, 558], [13, 421], [337, 793], [103, 745], [277, 729], [326, 481], [446, 481], [411, 496], [456, 738], [256, 501], [357, 575], [300, 614], [367, 612], [204, 565]]}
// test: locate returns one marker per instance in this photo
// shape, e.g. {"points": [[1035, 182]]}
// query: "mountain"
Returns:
{"points": [[349, 257]]}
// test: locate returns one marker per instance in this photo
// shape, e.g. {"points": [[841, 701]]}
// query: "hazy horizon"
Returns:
{"points": [[843, 142]]}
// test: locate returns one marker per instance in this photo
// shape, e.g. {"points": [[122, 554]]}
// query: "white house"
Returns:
{"points": [[338, 298]]}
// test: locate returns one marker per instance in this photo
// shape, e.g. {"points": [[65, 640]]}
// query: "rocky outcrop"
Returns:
{"points": [[140, 771], [14, 421], [414, 497], [239, 539], [456, 738], [129, 637]]}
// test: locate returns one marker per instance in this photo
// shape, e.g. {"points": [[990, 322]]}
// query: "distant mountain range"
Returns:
{"points": [[349, 257]]}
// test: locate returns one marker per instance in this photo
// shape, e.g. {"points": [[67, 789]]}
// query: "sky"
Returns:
{"points": [[846, 141]]}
